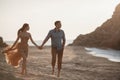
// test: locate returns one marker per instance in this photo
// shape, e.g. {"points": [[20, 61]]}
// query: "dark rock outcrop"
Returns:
{"points": [[2, 43], [6, 71], [107, 35]]}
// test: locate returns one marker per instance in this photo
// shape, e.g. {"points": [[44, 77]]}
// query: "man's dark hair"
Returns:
{"points": [[56, 22]]}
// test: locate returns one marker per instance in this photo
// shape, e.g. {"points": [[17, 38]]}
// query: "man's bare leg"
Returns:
{"points": [[53, 60], [59, 68], [60, 55]]}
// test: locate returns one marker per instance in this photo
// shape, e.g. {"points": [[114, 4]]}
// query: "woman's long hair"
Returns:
{"points": [[23, 27]]}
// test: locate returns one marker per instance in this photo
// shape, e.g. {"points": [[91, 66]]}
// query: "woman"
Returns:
{"points": [[22, 47]]}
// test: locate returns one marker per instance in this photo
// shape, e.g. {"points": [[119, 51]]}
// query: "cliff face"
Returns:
{"points": [[107, 35]]}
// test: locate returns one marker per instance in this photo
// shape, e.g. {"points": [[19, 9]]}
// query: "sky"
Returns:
{"points": [[77, 16]]}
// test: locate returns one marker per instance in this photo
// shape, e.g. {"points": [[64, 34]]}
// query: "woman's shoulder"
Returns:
{"points": [[28, 33], [24, 34], [20, 33]]}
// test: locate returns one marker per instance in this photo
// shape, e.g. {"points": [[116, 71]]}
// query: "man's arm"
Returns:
{"points": [[64, 39], [45, 40]]}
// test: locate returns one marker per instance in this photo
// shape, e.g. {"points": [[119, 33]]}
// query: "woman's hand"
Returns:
{"points": [[5, 51]]}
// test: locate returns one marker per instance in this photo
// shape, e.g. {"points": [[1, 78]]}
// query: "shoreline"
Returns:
{"points": [[88, 51], [77, 65], [110, 54]]}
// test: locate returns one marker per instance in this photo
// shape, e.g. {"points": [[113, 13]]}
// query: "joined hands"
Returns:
{"points": [[40, 47]]}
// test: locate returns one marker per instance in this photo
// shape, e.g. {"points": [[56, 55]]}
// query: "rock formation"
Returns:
{"points": [[107, 35], [2, 44]]}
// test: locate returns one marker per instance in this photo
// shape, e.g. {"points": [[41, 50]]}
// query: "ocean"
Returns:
{"points": [[39, 42], [110, 54]]}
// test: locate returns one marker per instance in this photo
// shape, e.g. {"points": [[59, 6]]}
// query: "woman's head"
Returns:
{"points": [[25, 27]]}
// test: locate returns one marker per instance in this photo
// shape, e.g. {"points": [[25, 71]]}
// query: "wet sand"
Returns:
{"points": [[77, 65]]}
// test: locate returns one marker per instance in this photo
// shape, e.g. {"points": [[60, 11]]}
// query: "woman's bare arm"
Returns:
{"points": [[33, 41], [15, 42]]}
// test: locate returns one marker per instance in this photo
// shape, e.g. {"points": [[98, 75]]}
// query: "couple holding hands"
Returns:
{"points": [[58, 40]]}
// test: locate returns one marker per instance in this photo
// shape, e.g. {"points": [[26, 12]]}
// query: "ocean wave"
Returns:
{"points": [[110, 54]]}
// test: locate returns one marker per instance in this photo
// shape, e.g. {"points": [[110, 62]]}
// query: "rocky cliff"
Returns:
{"points": [[107, 35]]}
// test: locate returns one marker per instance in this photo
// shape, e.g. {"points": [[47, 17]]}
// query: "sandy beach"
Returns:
{"points": [[77, 65]]}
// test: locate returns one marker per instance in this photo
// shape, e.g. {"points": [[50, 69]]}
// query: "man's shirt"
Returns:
{"points": [[57, 37]]}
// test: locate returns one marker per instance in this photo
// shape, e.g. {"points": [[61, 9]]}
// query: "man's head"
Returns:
{"points": [[58, 24]]}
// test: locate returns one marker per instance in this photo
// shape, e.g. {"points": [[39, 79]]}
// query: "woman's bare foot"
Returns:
{"points": [[22, 73]]}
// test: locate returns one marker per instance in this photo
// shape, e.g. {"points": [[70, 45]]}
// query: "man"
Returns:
{"points": [[57, 45]]}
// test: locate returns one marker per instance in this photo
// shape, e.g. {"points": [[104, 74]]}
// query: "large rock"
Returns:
{"points": [[107, 35], [2, 43], [6, 71]]}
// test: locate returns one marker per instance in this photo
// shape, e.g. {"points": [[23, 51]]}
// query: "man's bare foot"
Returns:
{"points": [[52, 72], [25, 73], [58, 75]]}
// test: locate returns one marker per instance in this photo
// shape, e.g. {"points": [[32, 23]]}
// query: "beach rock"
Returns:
{"points": [[6, 71], [106, 35], [2, 43]]}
